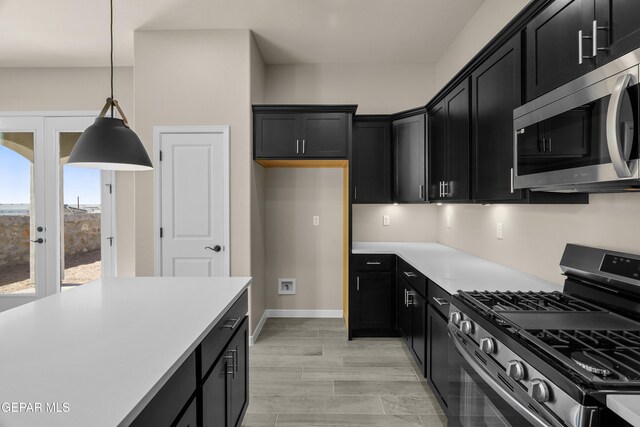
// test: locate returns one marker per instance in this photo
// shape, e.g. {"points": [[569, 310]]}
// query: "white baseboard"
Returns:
{"points": [[256, 332], [334, 314], [305, 313]]}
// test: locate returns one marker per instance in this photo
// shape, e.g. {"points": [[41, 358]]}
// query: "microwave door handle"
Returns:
{"points": [[531, 416], [614, 144]]}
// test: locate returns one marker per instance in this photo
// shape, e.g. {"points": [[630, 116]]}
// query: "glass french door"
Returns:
{"points": [[55, 220]]}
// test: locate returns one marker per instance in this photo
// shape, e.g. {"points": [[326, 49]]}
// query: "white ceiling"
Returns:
{"points": [[55, 33]]}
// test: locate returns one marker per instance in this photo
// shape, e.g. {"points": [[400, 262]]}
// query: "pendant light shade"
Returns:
{"points": [[109, 143]]}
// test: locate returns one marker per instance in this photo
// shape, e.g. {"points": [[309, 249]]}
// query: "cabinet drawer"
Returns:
{"points": [[413, 277], [374, 262], [213, 344], [169, 401], [439, 299]]}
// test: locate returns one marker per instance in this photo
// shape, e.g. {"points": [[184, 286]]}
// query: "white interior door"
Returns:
{"points": [[193, 184]]}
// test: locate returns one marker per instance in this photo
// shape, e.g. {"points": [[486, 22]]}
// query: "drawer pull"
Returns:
{"points": [[229, 372], [440, 301], [410, 274], [373, 263], [232, 323]]}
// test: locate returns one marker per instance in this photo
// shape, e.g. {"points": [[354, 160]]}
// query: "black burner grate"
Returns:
{"points": [[610, 355], [527, 301]]}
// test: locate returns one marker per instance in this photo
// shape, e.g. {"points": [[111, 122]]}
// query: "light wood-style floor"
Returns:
{"points": [[304, 372]]}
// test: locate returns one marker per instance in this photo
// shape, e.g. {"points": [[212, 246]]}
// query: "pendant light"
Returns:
{"points": [[109, 143]]}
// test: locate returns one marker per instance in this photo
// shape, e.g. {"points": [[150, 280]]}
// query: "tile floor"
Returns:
{"points": [[304, 372]]}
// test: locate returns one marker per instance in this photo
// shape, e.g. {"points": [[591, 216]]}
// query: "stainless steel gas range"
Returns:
{"points": [[548, 358]]}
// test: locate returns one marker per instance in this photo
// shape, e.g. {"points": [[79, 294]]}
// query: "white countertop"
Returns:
{"points": [[455, 270], [627, 406], [104, 348]]}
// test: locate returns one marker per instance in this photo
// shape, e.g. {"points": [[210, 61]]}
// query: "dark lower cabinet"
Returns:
{"points": [[438, 354], [225, 389], [190, 416], [372, 296], [412, 318], [211, 384]]}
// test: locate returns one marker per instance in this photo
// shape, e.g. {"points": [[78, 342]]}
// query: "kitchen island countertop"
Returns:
{"points": [[454, 270], [97, 354]]}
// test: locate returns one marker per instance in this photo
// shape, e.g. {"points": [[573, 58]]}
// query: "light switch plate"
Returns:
{"points": [[386, 220], [316, 220], [499, 230]]}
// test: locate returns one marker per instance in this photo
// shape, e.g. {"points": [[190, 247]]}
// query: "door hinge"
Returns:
{"points": [[160, 155], [110, 239], [161, 232], [110, 187]]}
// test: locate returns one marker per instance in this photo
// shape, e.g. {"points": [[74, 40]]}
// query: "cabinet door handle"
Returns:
{"points": [[581, 57], [234, 358], [297, 146], [229, 372], [410, 294], [548, 145], [233, 325], [355, 193], [358, 283], [595, 38], [405, 298], [421, 191], [440, 301], [440, 183], [410, 274], [303, 146], [511, 180], [373, 262]]}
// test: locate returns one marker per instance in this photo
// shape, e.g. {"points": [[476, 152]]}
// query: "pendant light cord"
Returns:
{"points": [[111, 53]]}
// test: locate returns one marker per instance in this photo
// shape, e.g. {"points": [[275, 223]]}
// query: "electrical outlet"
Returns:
{"points": [[499, 230], [448, 221], [316, 220], [386, 220]]}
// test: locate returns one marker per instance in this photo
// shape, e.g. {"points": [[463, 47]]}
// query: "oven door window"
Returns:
{"points": [[577, 138], [472, 403]]}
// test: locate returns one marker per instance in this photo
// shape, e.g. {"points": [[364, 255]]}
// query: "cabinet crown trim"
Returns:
{"points": [[305, 108]]}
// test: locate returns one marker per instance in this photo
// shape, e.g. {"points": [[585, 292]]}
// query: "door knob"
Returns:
{"points": [[38, 240], [216, 248]]}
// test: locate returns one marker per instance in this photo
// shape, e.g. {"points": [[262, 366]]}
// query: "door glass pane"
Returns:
{"points": [[17, 213], [81, 217]]}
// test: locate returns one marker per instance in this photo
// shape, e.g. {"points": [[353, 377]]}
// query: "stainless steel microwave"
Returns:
{"points": [[583, 136]]}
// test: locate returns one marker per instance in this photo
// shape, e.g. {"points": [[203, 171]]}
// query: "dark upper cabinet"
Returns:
{"points": [[324, 135], [409, 158], [371, 159], [618, 28], [301, 131], [449, 146], [496, 93], [555, 54], [572, 37]]}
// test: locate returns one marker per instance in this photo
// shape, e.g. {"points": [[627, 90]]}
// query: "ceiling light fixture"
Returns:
{"points": [[109, 143]]}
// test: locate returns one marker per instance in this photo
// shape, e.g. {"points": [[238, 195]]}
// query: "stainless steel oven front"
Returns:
{"points": [[582, 136], [491, 385]]}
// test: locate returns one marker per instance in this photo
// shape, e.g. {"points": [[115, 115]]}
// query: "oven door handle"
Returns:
{"points": [[619, 145], [532, 417]]}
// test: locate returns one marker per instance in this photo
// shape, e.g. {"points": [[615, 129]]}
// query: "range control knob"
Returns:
{"points": [[466, 327], [456, 318], [488, 345], [515, 370], [540, 391]]}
